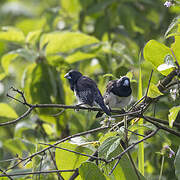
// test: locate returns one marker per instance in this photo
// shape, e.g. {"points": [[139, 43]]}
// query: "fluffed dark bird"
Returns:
{"points": [[118, 94], [86, 90]]}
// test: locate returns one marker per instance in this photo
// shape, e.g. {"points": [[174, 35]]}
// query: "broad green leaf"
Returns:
{"points": [[79, 56], [89, 171], [42, 84], [69, 160], [62, 42], [18, 146], [154, 91], [177, 164], [156, 53], [7, 112], [26, 54], [173, 24], [7, 59], [108, 146], [168, 63], [12, 34], [106, 136], [33, 37], [2, 76], [72, 7], [125, 170], [31, 24], [173, 114]]}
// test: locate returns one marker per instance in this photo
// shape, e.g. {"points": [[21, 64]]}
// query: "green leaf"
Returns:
{"points": [[154, 91], [72, 7], [65, 41], [7, 59], [26, 54], [168, 63], [173, 24], [156, 53], [18, 146], [33, 37], [89, 171], [79, 56], [7, 112], [12, 34], [31, 24], [177, 164], [69, 160], [173, 114], [109, 146]]}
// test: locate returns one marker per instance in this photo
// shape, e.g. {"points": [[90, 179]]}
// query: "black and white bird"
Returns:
{"points": [[118, 94], [86, 90]]}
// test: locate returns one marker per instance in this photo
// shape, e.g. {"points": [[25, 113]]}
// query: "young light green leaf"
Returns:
{"points": [[156, 53], [168, 63], [7, 59], [90, 171], [173, 114], [65, 41], [69, 160], [154, 91], [108, 146], [177, 164], [12, 34], [7, 112], [173, 24], [33, 36]]}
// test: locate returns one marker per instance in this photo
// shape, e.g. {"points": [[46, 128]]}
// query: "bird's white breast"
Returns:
{"points": [[114, 101]]}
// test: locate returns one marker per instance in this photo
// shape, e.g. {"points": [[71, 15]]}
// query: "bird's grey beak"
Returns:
{"points": [[67, 76], [126, 83]]}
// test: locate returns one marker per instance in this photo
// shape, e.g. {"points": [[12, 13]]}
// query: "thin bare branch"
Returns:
{"points": [[129, 148], [37, 172]]}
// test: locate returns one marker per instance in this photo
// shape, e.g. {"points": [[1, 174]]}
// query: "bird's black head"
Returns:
{"points": [[123, 82], [122, 87], [73, 76]]}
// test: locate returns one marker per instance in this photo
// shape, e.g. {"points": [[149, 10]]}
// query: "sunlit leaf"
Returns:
{"points": [[33, 37], [7, 112], [18, 146], [154, 91], [156, 53], [12, 34], [108, 146], [69, 160], [7, 59], [173, 114], [168, 63], [89, 171], [65, 41]]}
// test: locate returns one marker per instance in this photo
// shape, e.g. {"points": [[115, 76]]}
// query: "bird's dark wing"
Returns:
{"points": [[86, 89]]}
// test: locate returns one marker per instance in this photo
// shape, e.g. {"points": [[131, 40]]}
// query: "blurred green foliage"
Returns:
{"points": [[41, 40]]}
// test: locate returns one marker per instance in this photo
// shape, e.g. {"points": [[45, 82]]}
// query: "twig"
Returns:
{"points": [[18, 119], [58, 142], [175, 59], [87, 155], [162, 121], [6, 175], [37, 172], [129, 148], [162, 127]]}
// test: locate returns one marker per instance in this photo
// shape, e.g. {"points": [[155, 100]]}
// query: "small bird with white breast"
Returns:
{"points": [[118, 94], [86, 90]]}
